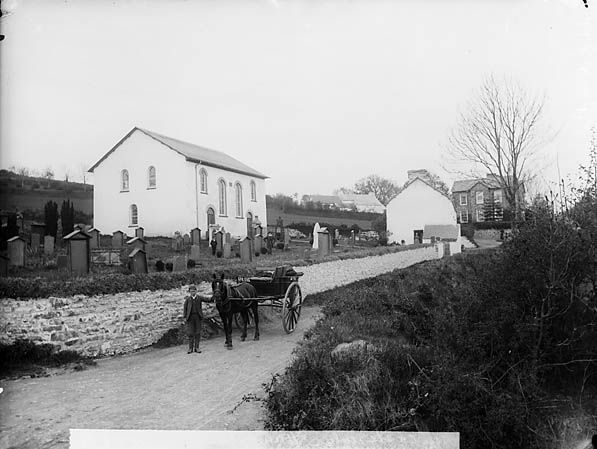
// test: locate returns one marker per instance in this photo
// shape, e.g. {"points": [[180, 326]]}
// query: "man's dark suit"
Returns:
{"points": [[193, 316]]}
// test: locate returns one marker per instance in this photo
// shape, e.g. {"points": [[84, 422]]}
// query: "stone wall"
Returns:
{"points": [[124, 322], [97, 325]]}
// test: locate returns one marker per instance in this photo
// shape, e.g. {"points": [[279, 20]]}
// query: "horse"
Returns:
{"points": [[227, 307]]}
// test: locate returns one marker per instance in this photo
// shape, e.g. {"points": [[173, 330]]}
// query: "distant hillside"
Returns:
{"points": [[30, 194]]}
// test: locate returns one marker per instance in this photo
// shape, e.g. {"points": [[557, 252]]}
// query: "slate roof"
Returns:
{"points": [[326, 199], [192, 153], [360, 199], [466, 184], [441, 231]]}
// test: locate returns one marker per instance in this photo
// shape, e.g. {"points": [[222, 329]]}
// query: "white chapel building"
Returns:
{"points": [[420, 211], [166, 185]]}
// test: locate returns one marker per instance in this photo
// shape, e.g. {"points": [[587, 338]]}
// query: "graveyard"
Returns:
{"points": [[90, 257]]}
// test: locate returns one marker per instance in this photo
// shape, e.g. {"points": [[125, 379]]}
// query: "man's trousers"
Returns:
{"points": [[194, 331]]}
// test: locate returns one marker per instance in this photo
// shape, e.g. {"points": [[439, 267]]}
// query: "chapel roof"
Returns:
{"points": [[192, 153]]}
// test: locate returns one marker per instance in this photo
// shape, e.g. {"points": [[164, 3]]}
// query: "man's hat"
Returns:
{"points": [[192, 287]]}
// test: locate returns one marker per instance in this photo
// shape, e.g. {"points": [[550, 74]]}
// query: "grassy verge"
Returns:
{"points": [[26, 358], [432, 355]]}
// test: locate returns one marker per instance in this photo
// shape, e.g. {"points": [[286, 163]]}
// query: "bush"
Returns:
{"points": [[22, 354], [257, 253], [219, 254], [169, 267], [263, 250], [191, 263], [280, 245], [159, 266]]}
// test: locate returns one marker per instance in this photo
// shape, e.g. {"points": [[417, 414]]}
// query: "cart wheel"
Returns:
{"points": [[238, 319], [291, 307]]}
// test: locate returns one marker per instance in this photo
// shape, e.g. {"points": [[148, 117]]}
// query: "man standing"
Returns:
{"points": [[193, 316]]}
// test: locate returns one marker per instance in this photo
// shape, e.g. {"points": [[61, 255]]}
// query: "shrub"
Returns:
{"points": [[280, 245], [219, 254], [159, 266], [257, 253], [263, 250], [169, 267], [190, 263]]}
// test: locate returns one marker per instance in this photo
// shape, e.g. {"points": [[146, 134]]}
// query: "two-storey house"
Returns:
{"points": [[476, 200]]}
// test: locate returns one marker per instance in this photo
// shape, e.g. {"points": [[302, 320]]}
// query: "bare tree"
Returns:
{"points": [[500, 133], [48, 174], [383, 189], [23, 172]]}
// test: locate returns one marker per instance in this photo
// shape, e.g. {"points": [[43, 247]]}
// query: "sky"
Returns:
{"points": [[315, 94]]}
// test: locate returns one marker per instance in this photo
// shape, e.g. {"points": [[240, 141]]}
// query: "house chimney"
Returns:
{"points": [[420, 173]]}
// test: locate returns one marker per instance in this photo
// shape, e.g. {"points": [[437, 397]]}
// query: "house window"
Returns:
{"points": [[151, 177], [203, 181], [463, 199], [480, 215], [134, 216], [479, 197], [222, 196], [464, 216], [497, 196], [124, 181], [239, 200], [253, 191]]}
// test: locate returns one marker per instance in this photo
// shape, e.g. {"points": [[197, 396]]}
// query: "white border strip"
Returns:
{"points": [[212, 439]]}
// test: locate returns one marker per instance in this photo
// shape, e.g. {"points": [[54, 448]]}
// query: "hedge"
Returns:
{"points": [[39, 287]]}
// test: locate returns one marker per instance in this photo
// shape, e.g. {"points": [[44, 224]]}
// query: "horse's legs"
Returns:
{"points": [[255, 309], [245, 316], [229, 330]]}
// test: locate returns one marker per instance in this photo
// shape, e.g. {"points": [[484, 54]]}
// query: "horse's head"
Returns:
{"points": [[219, 290]]}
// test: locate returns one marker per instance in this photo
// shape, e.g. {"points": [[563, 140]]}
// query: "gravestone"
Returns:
{"points": [[49, 245], [337, 234], [186, 240], [227, 237], [315, 238], [117, 239], [196, 236], [137, 261], [16, 251], [136, 242], [195, 252], [79, 251], [61, 261], [352, 237], [258, 243], [140, 232], [35, 242], [219, 241], [246, 256], [4, 263], [178, 243], [227, 251], [258, 230], [323, 248], [179, 263], [286, 241], [94, 243]]}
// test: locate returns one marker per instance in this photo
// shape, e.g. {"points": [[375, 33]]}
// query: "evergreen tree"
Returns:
{"points": [[67, 217], [51, 218]]}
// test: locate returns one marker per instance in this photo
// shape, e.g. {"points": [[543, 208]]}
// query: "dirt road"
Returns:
{"points": [[151, 389]]}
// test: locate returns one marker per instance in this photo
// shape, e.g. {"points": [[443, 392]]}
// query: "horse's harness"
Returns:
{"points": [[231, 292]]}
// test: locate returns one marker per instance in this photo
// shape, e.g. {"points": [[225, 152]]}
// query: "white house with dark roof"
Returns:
{"points": [[419, 212], [362, 202], [167, 185]]}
